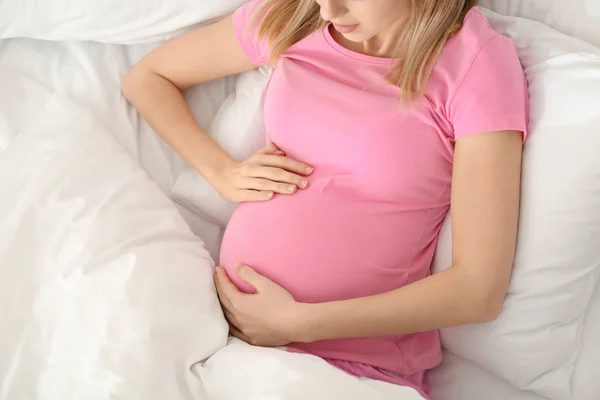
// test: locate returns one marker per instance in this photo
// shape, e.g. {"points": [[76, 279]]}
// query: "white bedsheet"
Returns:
{"points": [[459, 379]]}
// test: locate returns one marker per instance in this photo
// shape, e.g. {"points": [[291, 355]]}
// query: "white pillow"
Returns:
{"points": [[104, 291], [239, 129], [115, 21], [578, 18], [537, 341]]}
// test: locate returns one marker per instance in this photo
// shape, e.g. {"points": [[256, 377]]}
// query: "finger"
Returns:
{"points": [[285, 163], [223, 299], [226, 288], [274, 174], [271, 148], [254, 196], [252, 277], [266, 185]]}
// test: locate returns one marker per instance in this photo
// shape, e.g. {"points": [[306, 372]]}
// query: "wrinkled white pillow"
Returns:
{"points": [[114, 21], [239, 129], [537, 342], [578, 18]]}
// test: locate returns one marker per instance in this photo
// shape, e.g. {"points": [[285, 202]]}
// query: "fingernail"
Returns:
{"points": [[309, 170], [291, 188], [270, 195], [303, 183]]}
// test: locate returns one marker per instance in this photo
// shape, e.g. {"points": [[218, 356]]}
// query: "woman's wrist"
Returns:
{"points": [[311, 322], [300, 330], [213, 167], [340, 320]]}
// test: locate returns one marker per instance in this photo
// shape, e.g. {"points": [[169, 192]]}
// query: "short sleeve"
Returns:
{"points": [[493, 95], [247, 35]]}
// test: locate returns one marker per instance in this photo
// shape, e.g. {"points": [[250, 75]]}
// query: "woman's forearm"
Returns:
{"points": [[439, 301], [163, 106]]}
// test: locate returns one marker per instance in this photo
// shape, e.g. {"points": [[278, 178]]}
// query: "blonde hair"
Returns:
{"points": [[430, 25]]}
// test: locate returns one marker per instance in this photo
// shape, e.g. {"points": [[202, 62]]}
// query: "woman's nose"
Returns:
{"points": [[331, 9]]}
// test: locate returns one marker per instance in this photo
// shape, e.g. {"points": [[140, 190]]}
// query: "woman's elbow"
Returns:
{"points": [[487, 308], [137, 79], [483, 295], [130, 82]]}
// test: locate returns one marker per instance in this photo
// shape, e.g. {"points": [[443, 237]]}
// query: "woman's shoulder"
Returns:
{"points": [[475, 32], [480, 81], [475, 39], [477, 49]]}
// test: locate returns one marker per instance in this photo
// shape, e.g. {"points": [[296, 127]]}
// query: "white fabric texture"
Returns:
{"points": [[242, 372], [89, 74], [111, 21], [538, 343], [459, 379], [104, 291], [577, 18]]}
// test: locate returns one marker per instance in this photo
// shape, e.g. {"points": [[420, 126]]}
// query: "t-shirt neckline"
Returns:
{"points": [[353, 54]]}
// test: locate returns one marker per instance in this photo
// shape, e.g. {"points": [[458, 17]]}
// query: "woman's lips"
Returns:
{"points": [[345, 28]]}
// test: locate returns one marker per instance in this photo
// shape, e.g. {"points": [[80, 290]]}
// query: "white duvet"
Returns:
{"points": [[105, 292]]}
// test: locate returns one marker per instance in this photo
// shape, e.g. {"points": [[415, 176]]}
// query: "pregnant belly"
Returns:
{"points": [[322, 245]]}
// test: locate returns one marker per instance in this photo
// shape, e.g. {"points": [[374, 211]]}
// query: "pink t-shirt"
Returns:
{"points": [[369, 221]]}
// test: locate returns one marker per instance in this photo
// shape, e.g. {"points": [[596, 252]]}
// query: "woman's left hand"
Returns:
{"points": [[269, 318]]}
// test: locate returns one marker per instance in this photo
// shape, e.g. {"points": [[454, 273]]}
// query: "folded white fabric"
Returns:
{"points": [[240, 371], [542, 341], [104, 291], [114, 21], [578, 18]]}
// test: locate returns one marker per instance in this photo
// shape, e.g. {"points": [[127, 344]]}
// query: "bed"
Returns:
{"points": [[108, 240]]}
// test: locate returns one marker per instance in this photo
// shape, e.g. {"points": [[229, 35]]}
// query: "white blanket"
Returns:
{"points": [[243, 372], [104, 291]]}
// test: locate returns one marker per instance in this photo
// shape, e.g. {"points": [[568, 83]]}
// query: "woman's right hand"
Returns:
{"points": [[261, 177]]}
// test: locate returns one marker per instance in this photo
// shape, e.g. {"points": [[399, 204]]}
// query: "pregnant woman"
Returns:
{"points": [[380, 115]]}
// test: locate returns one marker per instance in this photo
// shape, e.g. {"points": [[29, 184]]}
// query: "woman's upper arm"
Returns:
{"points": [[489, 114], [485, 211], [197, 57]]}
